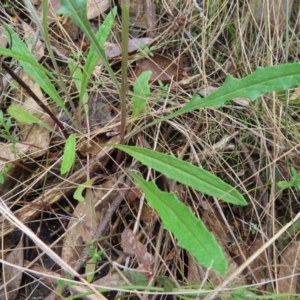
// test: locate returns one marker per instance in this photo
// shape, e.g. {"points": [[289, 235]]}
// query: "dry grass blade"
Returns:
{"points": [[80, 230], [250, 259], [12, 276], [5, 211], [289, 267], [249, 145], [53, 195]]}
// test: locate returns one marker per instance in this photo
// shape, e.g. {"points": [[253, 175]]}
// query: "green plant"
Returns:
{"points": [[195, 238], [96, 255], [253, 228], [141, 91], [146, 50], [163, 91], [62, 283], [40, 74], [259, 82], [263, 80], [5, 131], [294, 182], [91, 264], [4, 172], [69, 154]]}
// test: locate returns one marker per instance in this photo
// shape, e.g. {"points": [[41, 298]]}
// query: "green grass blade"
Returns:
{"points": [[38, 75], [190, 232], [69, 154], [93, 56], [77, 12], [185, 173]]}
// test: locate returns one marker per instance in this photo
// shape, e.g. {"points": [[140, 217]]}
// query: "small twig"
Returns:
{"points": [[35, 97]]}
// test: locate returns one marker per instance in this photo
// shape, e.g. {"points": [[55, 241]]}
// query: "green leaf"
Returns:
{"points": [[23, 116], [1, 179], [77, 76], [190, 232], [77, 12], [78, 193], [23, 57], [185, 173], [263, 80], [69, 154], [294, 173], [78, 79], [285, 184], [90, 269], [136, 278], [82, 79], [97, 256], [93, 56], [38, 74], [141, 91]]}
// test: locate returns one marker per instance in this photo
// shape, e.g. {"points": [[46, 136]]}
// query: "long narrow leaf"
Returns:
{"points": [[78, 77], [78, 13], [23, 57], [36, 73], [263, 80], [185, 173], [93, 56], [23, 116], [190, 232]]}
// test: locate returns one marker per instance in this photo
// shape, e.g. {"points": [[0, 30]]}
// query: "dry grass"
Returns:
{"points": [[251, 147]]}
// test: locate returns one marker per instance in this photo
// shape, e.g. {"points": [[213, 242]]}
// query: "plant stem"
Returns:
{"points": [[125, 30], [123, 92]]}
